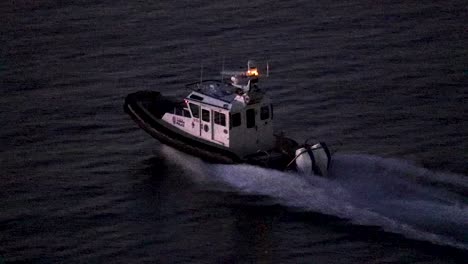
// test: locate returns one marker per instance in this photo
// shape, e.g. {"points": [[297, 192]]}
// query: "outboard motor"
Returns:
{"points": [[313, 159]]}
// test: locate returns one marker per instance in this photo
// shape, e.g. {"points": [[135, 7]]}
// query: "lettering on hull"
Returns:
{"points": [[178, 121]]}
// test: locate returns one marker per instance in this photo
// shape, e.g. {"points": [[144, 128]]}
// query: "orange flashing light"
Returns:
{"points": [[252, 72]]}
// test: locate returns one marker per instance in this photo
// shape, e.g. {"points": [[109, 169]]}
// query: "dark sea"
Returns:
{"points": [[384, 83]]}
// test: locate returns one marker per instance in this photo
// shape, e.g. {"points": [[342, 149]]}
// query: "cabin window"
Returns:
{"points": [[236, 120], [178, 111], [265, 112], [219, 118], [195, 110], [250, 113], [205, 115], [196, 97], [187, 113]]}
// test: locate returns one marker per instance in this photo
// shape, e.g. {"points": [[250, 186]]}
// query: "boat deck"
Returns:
{"points": [[153, 102]]}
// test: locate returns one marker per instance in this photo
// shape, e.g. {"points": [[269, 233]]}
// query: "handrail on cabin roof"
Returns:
{"points": [[204, 81]]}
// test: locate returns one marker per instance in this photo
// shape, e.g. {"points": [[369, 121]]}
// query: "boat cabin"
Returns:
{"points": [[236, 115]]}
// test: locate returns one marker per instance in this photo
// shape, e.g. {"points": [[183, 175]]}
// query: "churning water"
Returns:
{"points": [[367, 190]]}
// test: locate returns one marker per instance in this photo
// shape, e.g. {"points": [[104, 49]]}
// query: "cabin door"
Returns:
{"points": [[220, 127], [206, 127], [252, 128]]}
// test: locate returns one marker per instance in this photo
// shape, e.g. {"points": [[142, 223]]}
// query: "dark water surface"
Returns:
{"points": [[384, 84]]}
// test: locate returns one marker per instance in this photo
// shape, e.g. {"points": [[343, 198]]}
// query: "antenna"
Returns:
{"points": [[268, 70], [201, 73], [222, 71]]}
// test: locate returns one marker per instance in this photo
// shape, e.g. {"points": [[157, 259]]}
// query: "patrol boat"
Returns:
{"points": [[226, 121]]}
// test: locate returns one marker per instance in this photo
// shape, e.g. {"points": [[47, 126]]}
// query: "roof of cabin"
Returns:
{"points": [[216, 89], [223, 94]]}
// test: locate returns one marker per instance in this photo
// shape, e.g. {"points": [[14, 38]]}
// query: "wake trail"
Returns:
{"points": [[367, 190]]}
